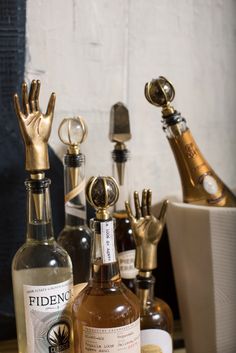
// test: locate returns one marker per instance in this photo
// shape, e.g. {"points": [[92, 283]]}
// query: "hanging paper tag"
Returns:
{"points": [[107, 240]]}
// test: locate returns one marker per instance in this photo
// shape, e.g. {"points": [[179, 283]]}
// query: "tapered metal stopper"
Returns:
{"points": [[102, 192], [119, 133], [160, 92]]}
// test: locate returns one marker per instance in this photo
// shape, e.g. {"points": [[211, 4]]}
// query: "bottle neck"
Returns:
{"points": [[121, 165], [104, 265], [74, 185], [39, 219], [145, 290]]}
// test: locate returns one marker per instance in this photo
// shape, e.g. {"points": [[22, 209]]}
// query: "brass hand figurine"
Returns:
{"points": [[35, 126], [147, 230]]}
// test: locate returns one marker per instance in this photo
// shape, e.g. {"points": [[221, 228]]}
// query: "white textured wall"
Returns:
{"points": [[93, 53]]}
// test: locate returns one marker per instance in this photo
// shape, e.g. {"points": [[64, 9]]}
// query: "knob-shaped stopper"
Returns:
{"points": [[72, 132], [160, 92], [102, 192]]}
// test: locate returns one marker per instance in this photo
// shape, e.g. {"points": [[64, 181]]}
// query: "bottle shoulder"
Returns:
{"points": [[94, 303], [34, 254], [157, 314]]}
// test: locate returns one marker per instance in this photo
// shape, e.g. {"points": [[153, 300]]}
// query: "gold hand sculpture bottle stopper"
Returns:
{"points": [[200, 184], [40, 267], [155, 315], [105, 308]]}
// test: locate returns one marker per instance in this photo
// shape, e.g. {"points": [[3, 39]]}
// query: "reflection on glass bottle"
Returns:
{"points": [[155, 315], [41, 269], [200, 184], [76, 235], [106, 312], [120, 133]]}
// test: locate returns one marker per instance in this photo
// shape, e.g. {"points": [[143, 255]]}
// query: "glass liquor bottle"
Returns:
{"points": [[76, 235], [120, 133], [155, 315], [200, 184], [106, 312], [41, 269]]}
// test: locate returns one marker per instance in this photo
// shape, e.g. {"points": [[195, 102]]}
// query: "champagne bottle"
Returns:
{"points": [[106, 312], [120, 133], [76, 235], [41, 269], [155, 315], [200, 184]]}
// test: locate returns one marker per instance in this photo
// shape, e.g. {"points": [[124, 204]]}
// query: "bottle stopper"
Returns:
{"points": [[35, 127], [120, 133], [102, 192], [160, 92], [73, 132]]}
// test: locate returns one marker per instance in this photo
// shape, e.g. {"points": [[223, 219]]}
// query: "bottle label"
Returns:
{"points": [[48, 317], [107, 241], [122, 339], [126, 264], [156, 341]]}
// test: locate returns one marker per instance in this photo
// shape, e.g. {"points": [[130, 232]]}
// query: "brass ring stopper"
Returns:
{"points": [[160, 92], [72, 132], [102, 192]]}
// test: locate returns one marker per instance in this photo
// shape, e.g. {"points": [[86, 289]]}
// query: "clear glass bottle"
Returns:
{"points": [[106, 312], [42, 279], [76, 235], [200, 184], [156, 318], [120, 133]]}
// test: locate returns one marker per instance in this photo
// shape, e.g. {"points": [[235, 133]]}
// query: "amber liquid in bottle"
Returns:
{"points": [[156, 319], [123, 231], [200, 184], [106, 312]]}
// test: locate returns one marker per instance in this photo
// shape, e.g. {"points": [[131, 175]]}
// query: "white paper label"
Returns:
{"points": [[156, 341], [107, 241], [126, 264], [122, 339], [210, 185], [48, 317]]}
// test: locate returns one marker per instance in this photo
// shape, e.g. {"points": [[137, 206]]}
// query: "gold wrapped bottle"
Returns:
{"points": [[41, 269], [120, 134], [105, 312], [155, 315], [200, 184]]}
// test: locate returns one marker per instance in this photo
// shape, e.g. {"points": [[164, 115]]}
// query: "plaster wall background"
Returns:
{"points": [[93, 53]]}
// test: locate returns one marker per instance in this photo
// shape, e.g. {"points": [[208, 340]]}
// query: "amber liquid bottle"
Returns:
{"points": [[120, 133], [156, 318], [200, 184], [106, 312], [123, 231]]}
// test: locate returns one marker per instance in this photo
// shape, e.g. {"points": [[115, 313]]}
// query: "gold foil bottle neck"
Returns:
{"points": [[102, 192], [160, 92], [35, 126]]}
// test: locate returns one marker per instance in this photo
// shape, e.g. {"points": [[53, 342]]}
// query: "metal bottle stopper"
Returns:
{"points": [[120, 133], [102, 192], [73, 132], [160, 92]]}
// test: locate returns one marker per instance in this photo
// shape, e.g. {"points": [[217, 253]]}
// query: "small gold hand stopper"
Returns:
{"points": [[35, 126], [147, 230]]}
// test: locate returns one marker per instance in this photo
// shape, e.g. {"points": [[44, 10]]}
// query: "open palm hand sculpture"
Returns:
{"points": [[35, 126], [147, 230]]}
